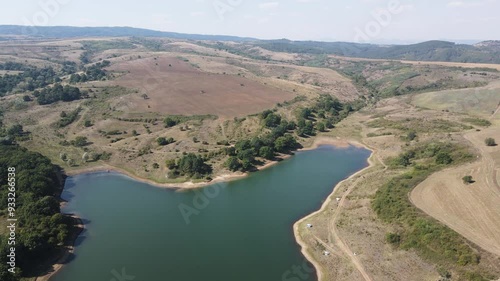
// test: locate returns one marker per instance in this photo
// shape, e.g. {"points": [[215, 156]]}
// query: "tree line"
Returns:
{"points": [[42, 229], [57, 93]]}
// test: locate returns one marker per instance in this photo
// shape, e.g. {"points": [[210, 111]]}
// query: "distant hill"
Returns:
{"points": [[483, 52], [70, 31]]}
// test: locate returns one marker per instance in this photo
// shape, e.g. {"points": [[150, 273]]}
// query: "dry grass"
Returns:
{"points": [[483, 101]]}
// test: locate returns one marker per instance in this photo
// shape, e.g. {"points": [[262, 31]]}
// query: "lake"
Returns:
{"points": [[236, 231]]}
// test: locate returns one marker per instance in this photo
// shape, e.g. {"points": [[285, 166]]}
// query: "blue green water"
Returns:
{"points": [[237, 231]]}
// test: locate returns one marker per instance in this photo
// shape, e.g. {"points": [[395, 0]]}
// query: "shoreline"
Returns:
{"points": [[317, 142], [79, 227], [324, 206]]}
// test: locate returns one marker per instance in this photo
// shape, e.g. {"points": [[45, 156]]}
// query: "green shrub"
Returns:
{"points": [[468, 179], [477, 122], [490, 142]]}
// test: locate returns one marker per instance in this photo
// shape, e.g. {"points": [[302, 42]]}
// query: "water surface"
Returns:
{"points": [[238, 231]]}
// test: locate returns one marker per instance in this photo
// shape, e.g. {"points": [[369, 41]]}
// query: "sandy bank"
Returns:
{"points": [[324, 207]]}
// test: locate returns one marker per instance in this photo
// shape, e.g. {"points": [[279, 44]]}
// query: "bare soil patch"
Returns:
{"points": [[174, 86]]}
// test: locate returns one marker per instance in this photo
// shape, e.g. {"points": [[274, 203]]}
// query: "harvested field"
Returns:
{"points": [[472, 210], [174, 86]]}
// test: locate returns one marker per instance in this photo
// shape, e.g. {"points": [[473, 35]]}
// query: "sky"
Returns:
{"points": [[390, 21]]}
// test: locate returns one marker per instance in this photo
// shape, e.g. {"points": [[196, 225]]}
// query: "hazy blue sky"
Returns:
{"points": [[356, 20]]}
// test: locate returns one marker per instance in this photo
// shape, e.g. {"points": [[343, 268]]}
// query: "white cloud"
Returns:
{"points": [[197, 14], [408, 7], [263, 20], [268, 5], [464, 4]]}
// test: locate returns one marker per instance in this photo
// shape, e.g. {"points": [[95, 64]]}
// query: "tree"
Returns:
{"points": [[305, 113], [256, 144], [320, 126], [411, 136], [246, 165], [87, 123], [80, 141], [285, 143], [161, 141], [490, 142], [468, 179], [15, 130], [393, 238], [171, 164], [404, 159], [443, 158], [170, 122], [26, 98], [233, 164], [272, 120], [247, 154], [266, 152], [192, 164], [242, 145]]}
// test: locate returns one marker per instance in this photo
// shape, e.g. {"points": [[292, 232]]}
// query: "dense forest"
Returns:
{"points": [[41, 228]]}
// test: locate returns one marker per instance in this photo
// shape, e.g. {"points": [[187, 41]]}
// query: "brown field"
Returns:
{"points": [[471, 210], [182, 89]]}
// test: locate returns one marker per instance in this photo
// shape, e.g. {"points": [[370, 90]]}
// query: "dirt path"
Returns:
{"points": [[335, 237], [471, 210], [495, 113], [333, 234]]}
